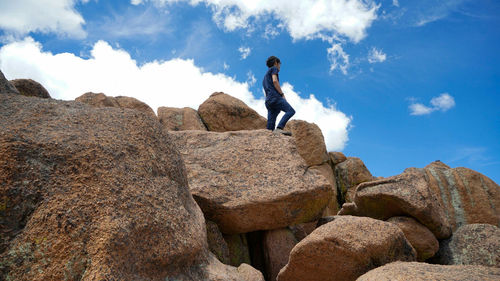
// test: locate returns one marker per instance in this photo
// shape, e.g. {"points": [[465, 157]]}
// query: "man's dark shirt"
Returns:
{"points": [[268, 85]]}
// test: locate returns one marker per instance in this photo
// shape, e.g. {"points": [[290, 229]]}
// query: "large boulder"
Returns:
{"points": [[310, 141], [277, 245], [30, 88], [472, 244], [101, 100], [407, 194], [348, 174], [346, 248], [180, 119], [468, 196], [416, 271], [421, 238], [6, 86], [96, 194], [251, 180], [222, 112], [336, 158], [326, 171]]}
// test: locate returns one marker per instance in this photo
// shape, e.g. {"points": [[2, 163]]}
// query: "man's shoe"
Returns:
{"points": [[280, 131]]}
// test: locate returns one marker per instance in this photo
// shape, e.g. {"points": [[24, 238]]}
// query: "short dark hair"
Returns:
{"points": [[272, 60]]}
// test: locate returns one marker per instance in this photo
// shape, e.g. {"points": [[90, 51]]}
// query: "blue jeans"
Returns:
{"points": [[274, 106]]}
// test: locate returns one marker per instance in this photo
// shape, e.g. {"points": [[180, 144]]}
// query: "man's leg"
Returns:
{"points": [[283, 105], [272, 114]]}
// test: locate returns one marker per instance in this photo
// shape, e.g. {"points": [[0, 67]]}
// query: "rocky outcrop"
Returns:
{"points": [[222, 112], [180, 119], [101, 100], [326, 171], [421, 238], [336, 158], [96, 194], [6, 86], [472, 244], [251, 180], [277, 244], [349, 174], [346, 248], [30, 88], [415, 271], [310, 141], [407, 194], [468, 196]]}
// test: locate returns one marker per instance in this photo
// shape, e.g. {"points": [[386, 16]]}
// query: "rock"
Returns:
{"points": [[251, 180], [278, 244], [349, 174], [6, 86], [309, 140], [238, 249], [472, 244], [326, 170], [248, 273], [101, 100], [406, 194], [216, 243], [222, 112], [30, 88], [416, 271], [300, 231], [93, 194], [346, 248], [325, 220], [421, 238], [336, 158], [468, 196], [180, 119]]}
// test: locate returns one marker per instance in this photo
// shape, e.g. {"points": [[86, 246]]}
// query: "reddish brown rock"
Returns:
{"points": [[6, 86], [101, 100], [222, 112], [346, 248], [30, 88], [349, 174], [251, 180], [406, 194], [326, 171], [472, 244], [468, 196], [416, 271], [277, 244], [421, 238], [336, 158], [300, 231], [180, 119], [93, 194], [216, 243], [310, 141]]}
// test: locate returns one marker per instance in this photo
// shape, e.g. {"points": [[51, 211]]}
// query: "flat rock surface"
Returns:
{"points": [[346, 248], [415, 271], [251, 180]]}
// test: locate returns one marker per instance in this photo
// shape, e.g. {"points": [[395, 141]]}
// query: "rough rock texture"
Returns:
{"points": [[336, 158], [238, 249], [468, 196], [300, 231], [326, 171], [101, 100], [415, 271], [251, 180], [310, 141], [473, 244], [248, 273], [346, 248], [180, 119], [216, 243], [95, 194], [407, 194], [6, 86], [30, 88], [214, 270], [277, 244], [349, 174], [222, 112], [421, 238]]}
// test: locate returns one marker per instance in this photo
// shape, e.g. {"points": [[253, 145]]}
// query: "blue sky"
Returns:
{"points": [[396, 83]]}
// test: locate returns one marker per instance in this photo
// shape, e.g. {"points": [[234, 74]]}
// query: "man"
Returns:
{"points": [[275, 98]]}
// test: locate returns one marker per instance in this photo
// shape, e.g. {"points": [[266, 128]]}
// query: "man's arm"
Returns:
{"points": [[276, 84]]}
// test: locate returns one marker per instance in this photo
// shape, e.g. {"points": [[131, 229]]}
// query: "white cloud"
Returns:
{"points": [[395, 3], [338, 58], [376, 56], [251, 80], [444, 102], [20, 17], [175, 83], [244, 51], [226, 66]]}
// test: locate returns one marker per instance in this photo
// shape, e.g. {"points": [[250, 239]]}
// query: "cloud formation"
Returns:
{"points": [[244, 52], [20, 17], [338, 58], [174, 83], [444, 102], [375, 56]]}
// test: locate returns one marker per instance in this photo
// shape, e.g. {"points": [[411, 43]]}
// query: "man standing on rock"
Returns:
{"points": [[275, 99]]}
